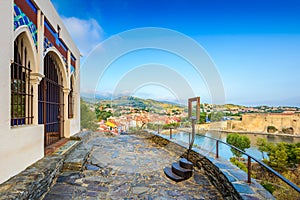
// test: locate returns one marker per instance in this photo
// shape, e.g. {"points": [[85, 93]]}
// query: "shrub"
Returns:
{"points": [[271, 129], [268, 186], [289, 130], [171, 125], [239, 164]]}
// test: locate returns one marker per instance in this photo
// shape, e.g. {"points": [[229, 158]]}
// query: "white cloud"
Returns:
{"points": [[86, 33]]}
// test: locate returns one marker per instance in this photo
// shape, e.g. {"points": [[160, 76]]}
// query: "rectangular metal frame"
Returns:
{"points": [[190, 107]]}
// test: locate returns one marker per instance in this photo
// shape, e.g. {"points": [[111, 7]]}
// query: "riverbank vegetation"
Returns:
{"points": [[284, 158], [281, 156]]}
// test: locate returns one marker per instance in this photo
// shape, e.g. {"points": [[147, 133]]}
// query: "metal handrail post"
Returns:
{"points": [[193, 136], [217, 148], [249, 169]]}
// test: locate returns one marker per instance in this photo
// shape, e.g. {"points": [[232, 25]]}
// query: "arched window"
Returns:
{"points": [[21, 89], [71, 101]]}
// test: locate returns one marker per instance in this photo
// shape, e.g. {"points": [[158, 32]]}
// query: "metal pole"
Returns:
{"points": [[157, 128], [193, 126], [170, 133], [193, 136], [217, 148], [249, 169]]}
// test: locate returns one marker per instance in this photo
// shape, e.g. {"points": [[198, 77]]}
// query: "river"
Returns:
{"points": [[224, 150]]}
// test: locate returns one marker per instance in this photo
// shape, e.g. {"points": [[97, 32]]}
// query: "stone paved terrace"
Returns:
{"points": [[129, 167]]}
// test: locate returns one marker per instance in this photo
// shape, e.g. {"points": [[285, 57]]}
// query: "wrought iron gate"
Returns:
{"points": [[51, 102]]}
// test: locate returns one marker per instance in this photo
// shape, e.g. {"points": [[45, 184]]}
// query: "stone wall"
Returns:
{"points": [[34, 181], [212, 126], [260, 123], [83, 136]]}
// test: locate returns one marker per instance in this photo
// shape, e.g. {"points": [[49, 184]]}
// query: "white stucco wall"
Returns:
{"points": [[20, 147], [6, 52], [24, 145]]}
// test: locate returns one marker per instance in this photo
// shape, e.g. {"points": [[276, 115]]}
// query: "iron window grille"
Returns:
{"points": [[21, 88], [71, 102]]}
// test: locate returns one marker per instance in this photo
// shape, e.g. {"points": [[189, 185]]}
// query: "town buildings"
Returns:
{"points": [[39, 85]]}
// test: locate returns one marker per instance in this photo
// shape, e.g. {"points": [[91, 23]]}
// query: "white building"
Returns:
{"points": [[39, 83]]}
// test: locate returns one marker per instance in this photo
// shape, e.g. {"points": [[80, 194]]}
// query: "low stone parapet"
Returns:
{"points": [[35, 181], [83, 136], [227, 178], [76, 159]]}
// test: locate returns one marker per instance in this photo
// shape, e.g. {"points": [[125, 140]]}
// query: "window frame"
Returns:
{"points": [[21, 89]]}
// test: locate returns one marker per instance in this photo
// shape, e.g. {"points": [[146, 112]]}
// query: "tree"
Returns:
{"points": [[262, 145], [278, 158], [296, 152], [241, 142], [152, 126], [216, 116], [171, 125], [102, 114], [282, 155], [88, 118], [202, 119], [284, 158]]}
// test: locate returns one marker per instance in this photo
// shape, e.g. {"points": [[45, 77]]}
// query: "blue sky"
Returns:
{"points": [[255, 44]]}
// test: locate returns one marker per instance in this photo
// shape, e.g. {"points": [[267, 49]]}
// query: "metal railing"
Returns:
{"points": [[249, 157], [289, 183], [285, 180]]}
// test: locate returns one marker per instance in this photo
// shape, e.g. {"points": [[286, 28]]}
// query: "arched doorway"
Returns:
{"points": [[51, 101]]}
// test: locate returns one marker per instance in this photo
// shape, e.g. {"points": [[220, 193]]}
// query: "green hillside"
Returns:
{"points": [[141, 104]]}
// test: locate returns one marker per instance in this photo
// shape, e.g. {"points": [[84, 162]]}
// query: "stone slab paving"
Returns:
{"points": [[129, 167]]}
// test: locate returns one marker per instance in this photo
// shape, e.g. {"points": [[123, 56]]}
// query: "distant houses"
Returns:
{"points": [[224, 117], [135, 120]]}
